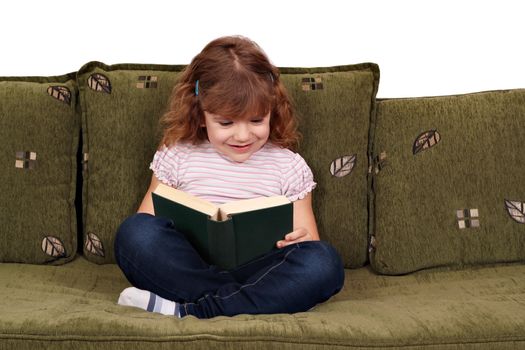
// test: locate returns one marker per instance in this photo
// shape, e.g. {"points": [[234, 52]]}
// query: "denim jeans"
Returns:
{"points": [[156, 257]]}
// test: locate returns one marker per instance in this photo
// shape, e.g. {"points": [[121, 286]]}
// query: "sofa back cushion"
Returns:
{"points": [[449, 181], [39, 129], [336, 106], [121, 106]]}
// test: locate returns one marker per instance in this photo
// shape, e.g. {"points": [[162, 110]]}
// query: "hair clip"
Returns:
{"points": [[197, 88], [271, 77]]}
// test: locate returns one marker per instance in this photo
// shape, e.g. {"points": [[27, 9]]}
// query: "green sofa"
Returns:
{"points": [[424, 198]]}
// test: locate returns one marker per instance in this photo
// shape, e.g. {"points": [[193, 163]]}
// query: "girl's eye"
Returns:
{"points": [[257, 121], [225, 123]]}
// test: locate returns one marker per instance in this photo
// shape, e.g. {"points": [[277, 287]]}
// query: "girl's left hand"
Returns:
{"points": [[304, 226], [299, 235]]}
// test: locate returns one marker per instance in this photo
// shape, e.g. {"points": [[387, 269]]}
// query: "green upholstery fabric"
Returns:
{"points": [[120, 117], [39, 131], [459, 201], [337, 106], [73, 306], [121, 106]]}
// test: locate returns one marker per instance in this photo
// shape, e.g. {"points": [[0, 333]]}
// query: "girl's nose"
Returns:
{"points": [[242, 132]]}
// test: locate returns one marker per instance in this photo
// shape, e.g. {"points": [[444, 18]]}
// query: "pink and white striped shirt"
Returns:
{"points": [[203, 172]]}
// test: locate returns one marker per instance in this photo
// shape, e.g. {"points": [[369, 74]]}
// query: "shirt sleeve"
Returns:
{"points": [[165, 165], [298, 179]]}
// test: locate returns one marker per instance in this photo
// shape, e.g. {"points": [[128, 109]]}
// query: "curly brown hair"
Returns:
{"points": [[236, 80]]}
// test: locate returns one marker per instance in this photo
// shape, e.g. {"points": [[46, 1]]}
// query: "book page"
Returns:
{"points": [[250, 204], [187, 200]]}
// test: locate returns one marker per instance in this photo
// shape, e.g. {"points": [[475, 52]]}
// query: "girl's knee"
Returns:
{"points": [[134, 221], [131, 232], [326, 263], [130, 226], [323, 253]]}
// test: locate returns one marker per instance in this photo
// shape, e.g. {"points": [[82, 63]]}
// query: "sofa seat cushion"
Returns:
{"points": [[73, 306]]}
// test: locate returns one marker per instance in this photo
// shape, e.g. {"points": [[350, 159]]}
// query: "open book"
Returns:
{"points": [[230, 234]]}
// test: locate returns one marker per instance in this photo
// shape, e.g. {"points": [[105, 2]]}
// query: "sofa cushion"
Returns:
{"points": [[121, 106], [39, 129], [336, 106], [73, 306], [449, 181]]}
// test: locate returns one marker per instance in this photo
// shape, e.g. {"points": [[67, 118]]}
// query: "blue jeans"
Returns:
{"points": [[156, 257]]}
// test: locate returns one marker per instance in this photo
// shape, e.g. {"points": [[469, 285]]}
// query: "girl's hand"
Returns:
{"points": [[304, 226], [299, 235]]}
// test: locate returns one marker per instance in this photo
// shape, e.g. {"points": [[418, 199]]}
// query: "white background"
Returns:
{"points": [[423, 48]]}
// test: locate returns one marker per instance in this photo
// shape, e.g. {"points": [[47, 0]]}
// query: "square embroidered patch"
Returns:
{"points": [[309, 84], [25, 160], [147, 82], [467, 218]]}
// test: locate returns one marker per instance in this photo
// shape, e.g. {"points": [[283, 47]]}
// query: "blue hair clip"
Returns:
{"points": [[197, 88]]}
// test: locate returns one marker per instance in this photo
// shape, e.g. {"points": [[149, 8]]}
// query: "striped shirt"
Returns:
{"points": [[203, 172]]}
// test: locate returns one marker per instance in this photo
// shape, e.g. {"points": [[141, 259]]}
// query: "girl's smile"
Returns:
{"points": [[241, 148]]}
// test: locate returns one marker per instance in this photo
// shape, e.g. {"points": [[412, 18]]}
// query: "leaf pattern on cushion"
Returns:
{"points": [[516, 210], [343, 166], [53, 246], [94, 245], [60, 93], [426, 140], [99, 82]]}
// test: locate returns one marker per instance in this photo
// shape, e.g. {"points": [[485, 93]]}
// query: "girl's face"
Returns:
{"points": [[237, 139]]}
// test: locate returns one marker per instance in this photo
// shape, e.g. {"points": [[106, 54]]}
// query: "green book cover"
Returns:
{"points": [[230, 234]]}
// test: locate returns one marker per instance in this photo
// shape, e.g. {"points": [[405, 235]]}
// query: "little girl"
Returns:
{"points": [[228, 135]]}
